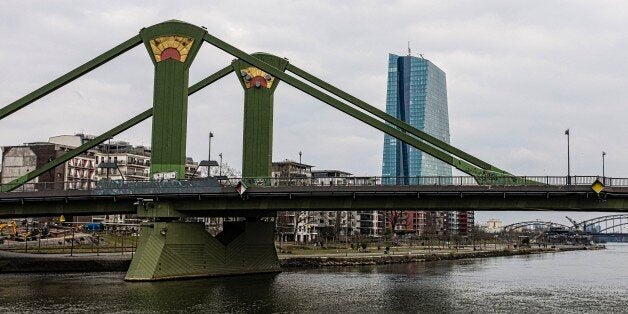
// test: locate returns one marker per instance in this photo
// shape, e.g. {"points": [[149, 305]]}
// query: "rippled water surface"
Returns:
{"points": [[582, 281]]}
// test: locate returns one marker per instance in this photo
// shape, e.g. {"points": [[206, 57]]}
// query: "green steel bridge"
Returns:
{"points": [[172, 248], [614, 227]]}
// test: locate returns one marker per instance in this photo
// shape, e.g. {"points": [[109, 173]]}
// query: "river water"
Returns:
{"points": [[566, 282]]}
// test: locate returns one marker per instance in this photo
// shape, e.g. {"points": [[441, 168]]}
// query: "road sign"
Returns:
{"points": [[597, 186]]}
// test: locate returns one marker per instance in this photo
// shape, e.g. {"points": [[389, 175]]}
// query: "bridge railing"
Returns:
{"points": [[351, 181], [424, 181], [303, 180]]}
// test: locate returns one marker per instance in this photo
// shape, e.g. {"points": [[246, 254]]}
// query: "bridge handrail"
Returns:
{"points": [[427, 180], [329, 181]]}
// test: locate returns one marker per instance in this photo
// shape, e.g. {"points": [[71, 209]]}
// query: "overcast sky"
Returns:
{"points": [[518, 73]]}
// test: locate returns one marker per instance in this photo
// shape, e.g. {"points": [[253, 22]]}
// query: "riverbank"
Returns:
{"points": [[11, 262], [320, 261]]}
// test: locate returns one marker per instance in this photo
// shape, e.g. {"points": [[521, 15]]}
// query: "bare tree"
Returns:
{"points": [[225, 170]]}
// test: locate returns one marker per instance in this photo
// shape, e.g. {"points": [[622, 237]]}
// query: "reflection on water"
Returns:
{"points": [[562, 282]]}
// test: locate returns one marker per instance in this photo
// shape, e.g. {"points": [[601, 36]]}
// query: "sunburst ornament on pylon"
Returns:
{"points": [[254, 77], [171, 47]]}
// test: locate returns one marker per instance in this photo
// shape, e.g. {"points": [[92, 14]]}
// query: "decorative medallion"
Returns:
{"points": [[254, 77], [171, 47]]}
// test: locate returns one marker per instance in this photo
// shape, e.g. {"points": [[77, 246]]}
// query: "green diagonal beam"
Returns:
{"points": [[392, 131], [295, 82], [210, 79], [69, 77], [392, 120], [115, 131], [77, 151]]}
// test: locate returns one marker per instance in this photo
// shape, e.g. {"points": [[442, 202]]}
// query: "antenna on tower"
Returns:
{"points": [[409, 51]]}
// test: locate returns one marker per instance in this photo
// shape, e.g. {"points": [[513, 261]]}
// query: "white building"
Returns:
{"points": [[494, 225], [369, 222], [452, 222]]}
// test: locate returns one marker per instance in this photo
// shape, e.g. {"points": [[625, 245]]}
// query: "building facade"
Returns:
{"points": [[296, 226], [319, 226], [417, 95], [494, 225], [132, 163], [466, 221], [369, 223], [77, 173], [82, 172]]}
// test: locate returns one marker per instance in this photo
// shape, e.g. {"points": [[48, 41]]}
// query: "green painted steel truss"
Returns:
{"points": [[172, 46]]}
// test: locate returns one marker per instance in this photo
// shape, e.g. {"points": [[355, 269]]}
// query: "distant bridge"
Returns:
{"points": [[610, 224], [603, 226], [534, 224]]}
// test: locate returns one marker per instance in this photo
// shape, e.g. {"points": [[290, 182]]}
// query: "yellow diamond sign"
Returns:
{"points": [[62, 218], [597, 186]]}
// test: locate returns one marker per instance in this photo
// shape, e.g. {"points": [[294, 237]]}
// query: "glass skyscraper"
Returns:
{"points": [[417, 95]]}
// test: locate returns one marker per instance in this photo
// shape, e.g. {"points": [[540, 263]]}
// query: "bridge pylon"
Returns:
{"points": [[259, 88], [168, 248], [172, 46]]}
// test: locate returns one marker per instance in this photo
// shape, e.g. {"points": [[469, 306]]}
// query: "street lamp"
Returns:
{"points": [[300, 166], [209, 162], [220, 165], [209, 149], [568, 160], [603, 175]]}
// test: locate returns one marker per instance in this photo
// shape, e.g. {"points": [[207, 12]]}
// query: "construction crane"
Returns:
{"points": [[575, 223]]}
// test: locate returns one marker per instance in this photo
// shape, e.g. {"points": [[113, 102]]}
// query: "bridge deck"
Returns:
{"points": [[219, 201]]}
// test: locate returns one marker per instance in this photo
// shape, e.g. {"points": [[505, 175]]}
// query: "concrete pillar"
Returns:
{"points": [[174, 250]]}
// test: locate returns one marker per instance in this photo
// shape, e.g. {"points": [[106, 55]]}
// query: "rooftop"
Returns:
{"points": [[293, 163], [339, 173]]}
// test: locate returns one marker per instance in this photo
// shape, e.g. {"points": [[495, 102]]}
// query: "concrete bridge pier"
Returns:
{"points": [[175, 250]]}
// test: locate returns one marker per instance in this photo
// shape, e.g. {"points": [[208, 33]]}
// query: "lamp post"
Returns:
{"points": [[207, 163], [568, 160], [220, 165], [300, 166], [209, 149], [603, 174], [108, 156]]}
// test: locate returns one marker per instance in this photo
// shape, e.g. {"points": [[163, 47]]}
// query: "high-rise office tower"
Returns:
{"points": [[417, 95]]}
